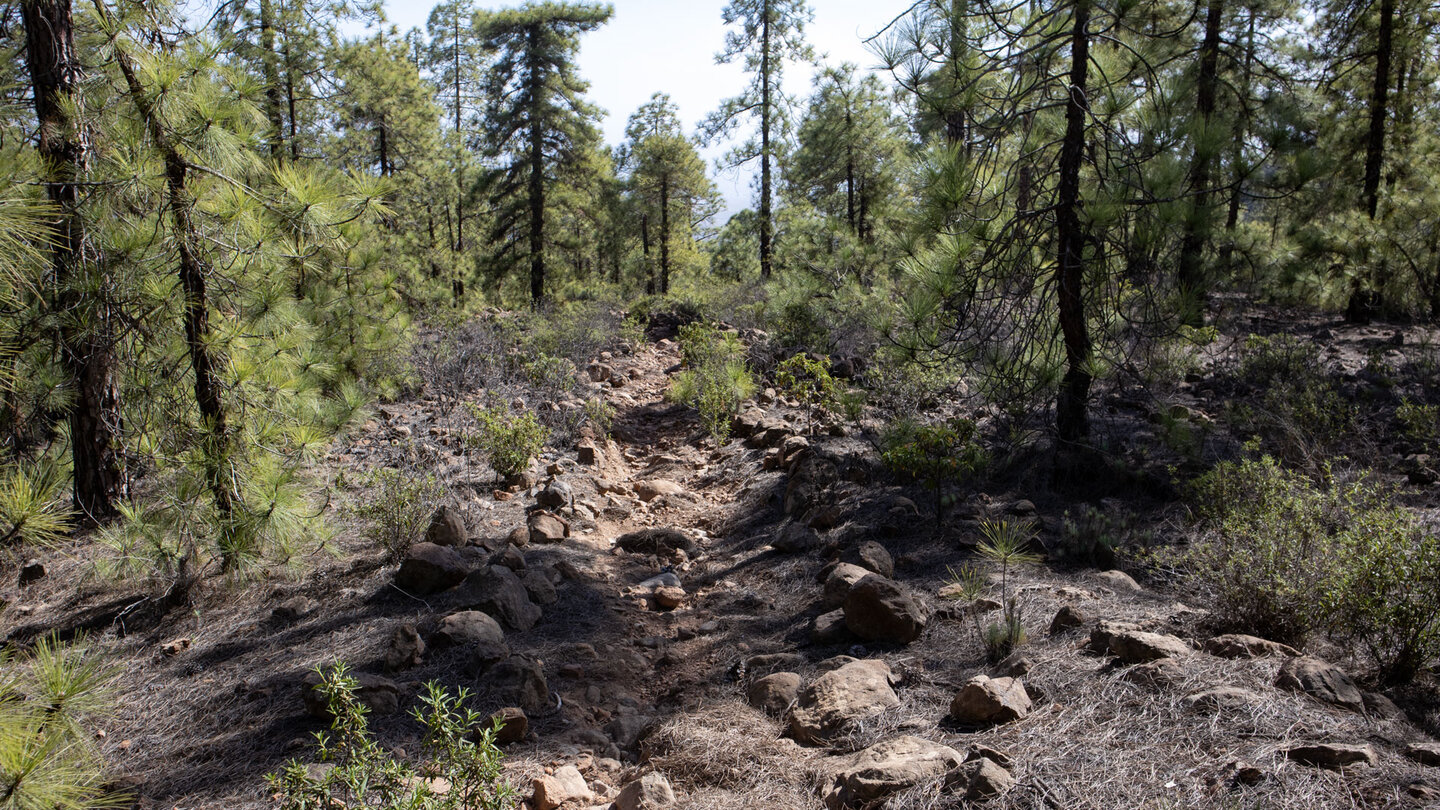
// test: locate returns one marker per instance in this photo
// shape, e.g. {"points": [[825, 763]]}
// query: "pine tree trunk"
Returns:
{"points": [[270, 63], [1071, 420], [664, 234], [766, 226], [645, 254], [218, 450], [86, 341], [537, 184], [1379, 108], [1197, 226]]}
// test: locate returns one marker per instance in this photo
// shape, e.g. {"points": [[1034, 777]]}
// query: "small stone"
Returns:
{"points": [[1119, 580], [406, 649], [1222, 697], [1425, 753], [467, 628], [841, 579], [981, 779], [294, 609], [1322, 681], [173, 648], [555, 495], [521, 680], [1156, 674], [519, 536], [829, 628], [447, 528], [1135, 646], [587, 453], [878, 609], [774, 694], [564, 785], [866, 778], [987, 701], [650, 792], [1331, 755], [834, 703], [429, 569], [32, 571], [511, 725], [1237, 645], [669, 597], [648, 491], [539, 587], [510, 557], [547, 528], [1067, 618]]}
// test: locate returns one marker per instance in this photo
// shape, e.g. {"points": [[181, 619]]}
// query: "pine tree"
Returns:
{"points": [[767, 34], [536, 121], [668, 178]]}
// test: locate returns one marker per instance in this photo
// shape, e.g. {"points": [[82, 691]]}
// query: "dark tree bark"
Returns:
{"points": [[270, 60], [537, 184], [219, 444], [86, 342], [1379, 107], [766, 226], [1071, 420], [1197, 226], [664, 233]]}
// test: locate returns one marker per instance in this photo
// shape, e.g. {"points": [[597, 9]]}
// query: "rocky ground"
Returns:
{"points": [[767, 623]]}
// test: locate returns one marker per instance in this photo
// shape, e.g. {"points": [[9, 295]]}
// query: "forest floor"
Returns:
{"points": [[210, 697]]}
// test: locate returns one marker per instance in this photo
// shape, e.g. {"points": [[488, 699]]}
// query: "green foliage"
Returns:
{"points": [[808, 380], [1285, 556], [601, 414], [398, 506], [508, 441], [47, 695], [32, 505], [462, 770], [934, 455], [717, 380], [1300, 413], [1090, 536], [1006, 544], [1417, 421]]}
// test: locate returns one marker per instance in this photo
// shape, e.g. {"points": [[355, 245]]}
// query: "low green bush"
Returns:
{"points": [[716, 380], [397, 507], [508, 441], [808, 380], [462, 767], [934, 455], [1284, 555]]}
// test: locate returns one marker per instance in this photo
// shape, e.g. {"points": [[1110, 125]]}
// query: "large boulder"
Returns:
{"points": [[447, 528], [834, 703], [878, 609], [985, 701], [428, 568], [1321, 680], [467, 628], [546, 528], [866, 777], [406, 649], [980, 778], [496, 590], [872, 556], [648, 491]]}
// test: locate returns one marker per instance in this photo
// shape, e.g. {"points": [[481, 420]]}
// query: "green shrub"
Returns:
{"points": [[1283, 555], [809, 381], [717, 380], [462, 770], [32, 505], [398, 508], [508, 442], [1300, 414], [46, 697], [601, 414], [1007, 545], [1417, 421], [550, 373], [933, 455]]}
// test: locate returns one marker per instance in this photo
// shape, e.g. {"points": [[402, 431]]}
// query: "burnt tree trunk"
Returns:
{"points": [[1071, 420], [1197, 225], [87, 348]]}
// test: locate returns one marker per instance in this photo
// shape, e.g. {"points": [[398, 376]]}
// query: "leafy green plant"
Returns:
{"points": [[1007, 544], [1418, 422], [46, 697], [716, 381], [462, 768], [809, 380], [508, 442], [32, 507], [550, 373], [1284, 555], [398, 507], [934, 455], [1089, 536], [631, 335], [601, 414]]}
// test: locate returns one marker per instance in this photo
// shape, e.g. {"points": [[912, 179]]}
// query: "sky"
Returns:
{"points": [[669, 46]]}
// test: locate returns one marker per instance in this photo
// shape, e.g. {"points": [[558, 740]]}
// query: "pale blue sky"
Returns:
{"points": [[669, 46]]}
